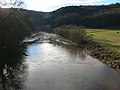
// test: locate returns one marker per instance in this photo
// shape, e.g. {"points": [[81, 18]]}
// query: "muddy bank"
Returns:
{"points": [[106, 56]]}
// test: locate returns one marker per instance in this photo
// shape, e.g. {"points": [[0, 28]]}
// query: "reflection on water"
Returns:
{"points": [[54, 66], [48, 52], [12, 68], [61, 67]]}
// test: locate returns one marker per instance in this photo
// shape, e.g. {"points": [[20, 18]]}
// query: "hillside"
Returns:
{"points": [[89, 16], [36, 18]]}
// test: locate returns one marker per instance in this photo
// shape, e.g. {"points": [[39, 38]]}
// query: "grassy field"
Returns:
{"points": [[108, 38]]}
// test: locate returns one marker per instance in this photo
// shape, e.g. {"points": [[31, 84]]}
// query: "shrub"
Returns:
{"points": [[74, 33]]}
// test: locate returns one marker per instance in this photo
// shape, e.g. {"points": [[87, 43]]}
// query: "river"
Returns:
{"points": [[57, 66], [54, 63]]}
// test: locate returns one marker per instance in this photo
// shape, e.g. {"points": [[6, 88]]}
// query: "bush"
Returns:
{"points": [[74, 33]]}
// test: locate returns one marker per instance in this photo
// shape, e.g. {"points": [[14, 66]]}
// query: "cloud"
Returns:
{"points": [[82, 1], [50, 5]]}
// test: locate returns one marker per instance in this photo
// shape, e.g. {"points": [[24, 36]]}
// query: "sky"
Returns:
{"points": [[51, 5]]}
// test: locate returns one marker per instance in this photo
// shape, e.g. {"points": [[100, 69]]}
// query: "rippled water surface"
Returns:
{"points": [[52, 66]]}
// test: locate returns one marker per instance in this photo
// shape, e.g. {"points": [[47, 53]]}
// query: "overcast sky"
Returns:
{"points": [[50, 5]]}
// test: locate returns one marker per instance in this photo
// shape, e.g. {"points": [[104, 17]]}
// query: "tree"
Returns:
{"points": [[11, 3], [13, 29], [72, 18]]}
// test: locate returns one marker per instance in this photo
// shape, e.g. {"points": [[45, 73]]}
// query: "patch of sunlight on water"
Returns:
{"points": [[58, 67]]}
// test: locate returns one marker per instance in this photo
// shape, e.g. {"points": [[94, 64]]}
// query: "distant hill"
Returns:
{"points": [[88, 16], [36, 18]]}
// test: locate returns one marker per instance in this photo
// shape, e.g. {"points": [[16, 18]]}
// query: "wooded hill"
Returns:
{"points": [[88, 16]]}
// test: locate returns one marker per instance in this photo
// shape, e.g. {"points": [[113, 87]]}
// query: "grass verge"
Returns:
{"points": [[109, 39]]}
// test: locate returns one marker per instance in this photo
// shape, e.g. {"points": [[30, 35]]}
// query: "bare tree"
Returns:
{"points": [[9, 7], [11, 3], [13, 29]]}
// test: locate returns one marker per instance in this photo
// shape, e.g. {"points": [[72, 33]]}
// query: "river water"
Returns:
{"points": [[55, 65]]}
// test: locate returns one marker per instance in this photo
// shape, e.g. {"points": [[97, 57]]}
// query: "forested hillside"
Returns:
{"points": [[88, 16]]}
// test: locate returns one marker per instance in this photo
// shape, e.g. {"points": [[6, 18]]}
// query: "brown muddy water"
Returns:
{"points": [[56, 66]]}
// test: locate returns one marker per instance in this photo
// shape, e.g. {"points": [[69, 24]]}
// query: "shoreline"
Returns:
{"points": [[104, 55]]}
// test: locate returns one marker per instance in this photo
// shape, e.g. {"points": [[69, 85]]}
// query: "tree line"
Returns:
{"points": [[88, 16]]}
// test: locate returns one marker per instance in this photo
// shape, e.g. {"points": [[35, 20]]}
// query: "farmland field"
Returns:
{"points": [[108, 38]]}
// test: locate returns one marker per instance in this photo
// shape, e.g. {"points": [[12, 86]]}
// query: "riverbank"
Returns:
{"points": [[106, 56], [105, 46], [107, 38], [92, 48]]}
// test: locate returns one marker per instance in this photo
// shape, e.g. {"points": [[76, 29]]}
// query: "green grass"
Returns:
{"points": [[107, 38]]}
